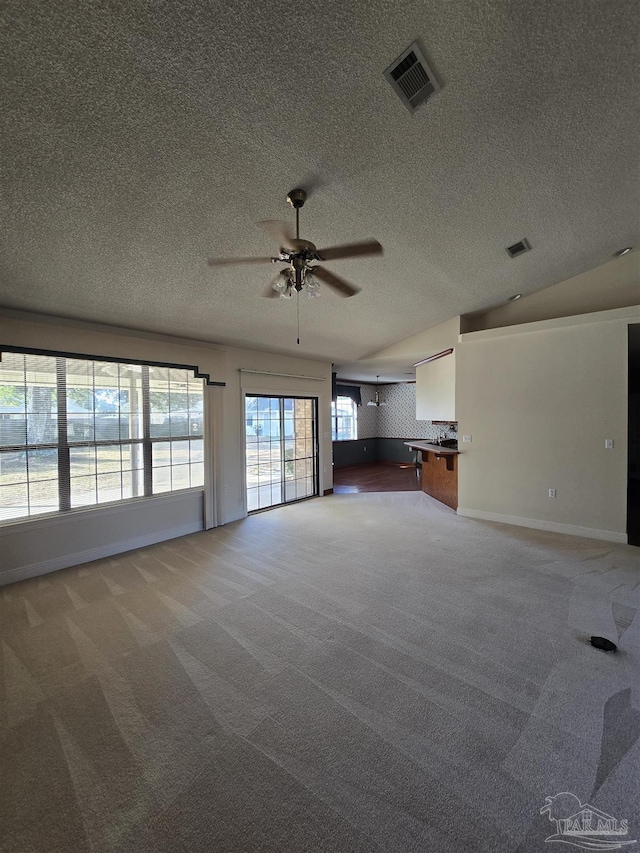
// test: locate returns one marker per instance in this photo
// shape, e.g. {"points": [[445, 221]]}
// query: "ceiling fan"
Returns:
{"points": [[301, 271]]}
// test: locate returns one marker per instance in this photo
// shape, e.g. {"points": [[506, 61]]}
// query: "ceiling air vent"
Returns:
{"points": [[518, 248], [411, 78]]}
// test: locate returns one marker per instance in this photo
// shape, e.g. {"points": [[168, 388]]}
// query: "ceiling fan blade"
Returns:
{"points": [[350, 250], [225, 262], [280, 231], [311, 184], [343, 287]]}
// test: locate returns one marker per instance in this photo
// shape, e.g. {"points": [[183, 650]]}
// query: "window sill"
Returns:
{"points": [[55, 519]]}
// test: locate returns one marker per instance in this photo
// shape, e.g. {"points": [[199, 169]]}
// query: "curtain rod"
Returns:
{"points": [[433, 357], [288, 375]]}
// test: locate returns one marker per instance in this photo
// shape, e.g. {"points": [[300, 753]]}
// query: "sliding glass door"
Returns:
{"points": [[281, 450]]}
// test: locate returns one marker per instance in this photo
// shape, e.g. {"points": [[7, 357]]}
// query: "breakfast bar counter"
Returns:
{"points": [[439, 471]]}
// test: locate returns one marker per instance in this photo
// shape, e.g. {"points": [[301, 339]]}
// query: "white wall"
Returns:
{"points": [[436, 389], [224, 482], [539, 400]]}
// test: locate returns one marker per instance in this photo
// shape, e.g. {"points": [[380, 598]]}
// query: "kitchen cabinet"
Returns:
{"points": [[436, 388]]}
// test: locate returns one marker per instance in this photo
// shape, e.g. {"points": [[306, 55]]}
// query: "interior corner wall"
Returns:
{"points": [[539, 405]]}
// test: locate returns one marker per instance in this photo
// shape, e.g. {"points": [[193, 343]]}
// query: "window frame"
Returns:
{"points": [[64, 447], [335, 418]]}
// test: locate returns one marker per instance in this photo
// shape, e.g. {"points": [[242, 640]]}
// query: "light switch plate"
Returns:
{"points": [[466, 439], [608, 444]]}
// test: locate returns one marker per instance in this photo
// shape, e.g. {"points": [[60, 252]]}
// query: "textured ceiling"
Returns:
{"points": [[138, 138]]}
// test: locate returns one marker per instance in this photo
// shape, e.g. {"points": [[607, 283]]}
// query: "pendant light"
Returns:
{"points": [[377, 402]]}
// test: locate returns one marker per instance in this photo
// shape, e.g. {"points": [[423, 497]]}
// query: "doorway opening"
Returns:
{"points": [[281, 450]]}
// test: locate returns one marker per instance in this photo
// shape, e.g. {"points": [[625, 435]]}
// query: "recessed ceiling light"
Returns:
{"points": [[622, 252], [515, 296]]}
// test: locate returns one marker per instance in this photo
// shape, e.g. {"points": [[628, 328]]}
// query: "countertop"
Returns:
{"points": [[432, 448]]}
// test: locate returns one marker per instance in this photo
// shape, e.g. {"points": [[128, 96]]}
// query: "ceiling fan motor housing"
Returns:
{"points": [[297, 198]]}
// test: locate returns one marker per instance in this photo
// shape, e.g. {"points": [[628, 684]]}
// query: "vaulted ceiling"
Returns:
{"points": [[139, 138]]}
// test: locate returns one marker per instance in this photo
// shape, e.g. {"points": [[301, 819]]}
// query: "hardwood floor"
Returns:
{"points": [[376, 477]]}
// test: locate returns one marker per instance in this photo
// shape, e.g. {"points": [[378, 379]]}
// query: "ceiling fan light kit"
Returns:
{"points": [[302, 271]]}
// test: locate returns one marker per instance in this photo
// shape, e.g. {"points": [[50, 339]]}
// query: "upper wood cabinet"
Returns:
{"points": [[436, 388]]}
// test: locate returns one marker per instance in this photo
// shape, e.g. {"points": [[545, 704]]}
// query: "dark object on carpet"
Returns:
{"points": [[604, 644]]}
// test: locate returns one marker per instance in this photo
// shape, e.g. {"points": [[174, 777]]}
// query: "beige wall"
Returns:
{"points": [[240, 384], [421, 345], [46, 544], [90, 339], [435, 382], [539, 401], [225, 482]]}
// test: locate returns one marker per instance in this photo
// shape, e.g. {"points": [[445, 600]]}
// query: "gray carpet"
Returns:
{"points": [[354, 673]]}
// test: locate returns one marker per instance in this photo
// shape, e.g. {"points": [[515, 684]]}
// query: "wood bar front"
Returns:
{"points": [[439, 472], [440, 477]]}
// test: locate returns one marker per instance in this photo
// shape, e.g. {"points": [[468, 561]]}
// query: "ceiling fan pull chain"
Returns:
{"points": [[298, 309]]}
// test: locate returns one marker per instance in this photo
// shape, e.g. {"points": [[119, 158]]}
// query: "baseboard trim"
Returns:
{"points": [[550, 526], [408, 463], [66, 561]]}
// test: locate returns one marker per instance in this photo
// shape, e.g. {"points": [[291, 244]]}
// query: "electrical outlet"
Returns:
{"points": [[608, 444], [466, 439], [365, 448], [552, 493]]}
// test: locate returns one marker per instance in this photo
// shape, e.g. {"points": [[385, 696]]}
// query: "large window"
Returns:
{"points": [[76, 433], [344, 419]]}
